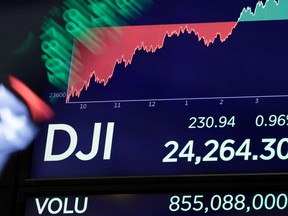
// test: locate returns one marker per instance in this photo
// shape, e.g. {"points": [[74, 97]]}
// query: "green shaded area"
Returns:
{"points": [[57, 45], [271, 10], [79, 17]]}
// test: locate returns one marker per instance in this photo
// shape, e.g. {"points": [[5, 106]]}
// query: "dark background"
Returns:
{"points": [[22, 19], [19, 20]]}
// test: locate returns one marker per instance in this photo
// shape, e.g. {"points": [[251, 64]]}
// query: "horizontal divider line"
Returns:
{"points": [[180, 99]]}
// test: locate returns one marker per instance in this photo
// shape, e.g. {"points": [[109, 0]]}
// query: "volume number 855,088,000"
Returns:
{"points": [[228, 202], [227, 150]]}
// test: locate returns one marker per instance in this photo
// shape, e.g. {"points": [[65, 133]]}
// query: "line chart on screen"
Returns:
{"points": [[242, 59]]}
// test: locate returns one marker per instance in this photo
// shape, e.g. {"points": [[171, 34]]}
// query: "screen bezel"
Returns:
{"points": [[203, 184]]}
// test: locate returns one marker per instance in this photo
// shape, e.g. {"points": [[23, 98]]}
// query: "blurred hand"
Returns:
{"points": [[17, 129]]}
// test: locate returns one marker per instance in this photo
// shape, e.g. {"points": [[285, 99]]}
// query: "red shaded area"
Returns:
{"points": [[40, 111], [119, 44]]}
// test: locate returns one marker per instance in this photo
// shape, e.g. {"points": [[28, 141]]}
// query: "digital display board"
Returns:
{"points": [[187, 88], [198, 204]]}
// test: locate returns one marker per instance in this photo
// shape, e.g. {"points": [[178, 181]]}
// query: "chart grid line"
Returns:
{"points": [[180, 99]]}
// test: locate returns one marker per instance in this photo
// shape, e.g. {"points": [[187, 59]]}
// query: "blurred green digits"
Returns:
{"points": [[79, 17]]}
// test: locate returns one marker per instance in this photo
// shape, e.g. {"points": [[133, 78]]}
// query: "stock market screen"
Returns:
{"points": [[196, 87]]}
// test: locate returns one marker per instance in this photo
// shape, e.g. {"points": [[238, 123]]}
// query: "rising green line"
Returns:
{"points": [[271, 10]]}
